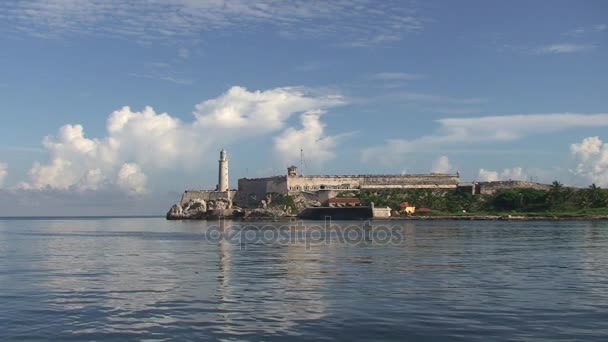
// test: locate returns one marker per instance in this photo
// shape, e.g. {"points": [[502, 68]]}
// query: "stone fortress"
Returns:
{"points": [[315, 191], [321, 188]]}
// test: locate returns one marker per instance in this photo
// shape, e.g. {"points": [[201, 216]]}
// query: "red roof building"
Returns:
{"points": [[343, 202]]}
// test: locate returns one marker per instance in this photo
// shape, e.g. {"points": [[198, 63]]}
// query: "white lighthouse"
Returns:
{"points": [[222, 183]]}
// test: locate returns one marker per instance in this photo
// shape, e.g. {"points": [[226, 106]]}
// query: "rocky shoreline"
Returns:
{"points": [[222, 209], [214, 210]]}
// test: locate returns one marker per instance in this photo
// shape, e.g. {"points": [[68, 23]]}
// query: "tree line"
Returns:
{"points": [[557, 199]]}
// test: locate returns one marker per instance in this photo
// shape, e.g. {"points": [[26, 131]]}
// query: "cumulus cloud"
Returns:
{"points": [[131, 178], [441, 165], [476, 130], [516, 173], [310, 137], [259, 111], [3, 173], [592, 160], [137, 141]]}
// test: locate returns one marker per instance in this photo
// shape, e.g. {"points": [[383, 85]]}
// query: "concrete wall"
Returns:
{"points": [[381, 212], [205, 195]]}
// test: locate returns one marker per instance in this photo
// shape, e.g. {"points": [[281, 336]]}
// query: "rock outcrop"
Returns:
{"points": [[198, 209]]}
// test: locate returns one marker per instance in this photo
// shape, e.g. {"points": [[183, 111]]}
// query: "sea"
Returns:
{"points": [[148, 279]]}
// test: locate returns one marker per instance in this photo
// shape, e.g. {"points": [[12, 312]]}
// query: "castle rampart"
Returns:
{"points": [[491, 188]]}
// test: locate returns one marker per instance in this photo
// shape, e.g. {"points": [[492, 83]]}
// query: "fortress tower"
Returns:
{"points": [[222, 184]]}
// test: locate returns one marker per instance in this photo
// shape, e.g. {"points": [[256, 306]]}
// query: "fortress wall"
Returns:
{"points": [[252, 191], [205, 195], [313, 183], [409, 186], [430, 181], [491, 188]]}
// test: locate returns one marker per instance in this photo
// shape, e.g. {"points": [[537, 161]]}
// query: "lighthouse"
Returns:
{"points": [[222, 183]]}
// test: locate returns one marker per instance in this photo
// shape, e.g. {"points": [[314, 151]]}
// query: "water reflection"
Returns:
{"points": [[266, 289], [135, 278]]}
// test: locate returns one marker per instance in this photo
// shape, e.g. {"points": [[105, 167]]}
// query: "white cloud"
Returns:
{"points": [[598, 28], [146, 140], [397, 76], [259, 111], [488, 176], [565, 48], [183, 53], [92, 180], [441, 165], [592, 157], [361, 23], [131, 178], [434, 98], [515, 173], [466, 131], [311, 138], [3, 173]]}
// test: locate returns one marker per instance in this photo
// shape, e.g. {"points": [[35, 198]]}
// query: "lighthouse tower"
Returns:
{"points": [[222, 183]]}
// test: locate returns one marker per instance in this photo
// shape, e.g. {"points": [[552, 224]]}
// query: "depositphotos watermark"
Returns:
{"points": [[300, 233]]}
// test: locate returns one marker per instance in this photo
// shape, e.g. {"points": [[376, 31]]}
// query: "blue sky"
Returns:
{"points": [[494, 90]]}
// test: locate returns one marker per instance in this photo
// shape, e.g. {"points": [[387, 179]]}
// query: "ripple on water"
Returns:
{"points": [[157, 280]]}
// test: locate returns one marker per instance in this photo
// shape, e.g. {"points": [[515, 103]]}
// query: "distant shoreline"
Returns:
{"points": [[393, 218], [498, 218], [67, 217]]}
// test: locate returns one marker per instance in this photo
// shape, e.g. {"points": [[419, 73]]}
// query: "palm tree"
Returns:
{"points": [[556, 186], [555, 197], [594, 196]]}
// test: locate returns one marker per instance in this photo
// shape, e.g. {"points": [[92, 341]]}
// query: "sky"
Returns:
{"points": [[114, 107]]}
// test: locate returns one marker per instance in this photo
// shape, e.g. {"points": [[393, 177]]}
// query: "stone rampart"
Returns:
{"points": [[426, 181], [251, 191], [314, 183], [491, 188], [434, 181]]}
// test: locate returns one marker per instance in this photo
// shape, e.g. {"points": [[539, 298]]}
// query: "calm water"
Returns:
{"points": [[117, 279]]}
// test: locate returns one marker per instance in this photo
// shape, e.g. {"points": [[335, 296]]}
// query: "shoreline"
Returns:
{"points": [[418, 218], [499, 218]]}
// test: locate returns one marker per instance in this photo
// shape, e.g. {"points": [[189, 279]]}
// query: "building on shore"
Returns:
{"points": [[321, 188], [254, 192], [222, 192]]}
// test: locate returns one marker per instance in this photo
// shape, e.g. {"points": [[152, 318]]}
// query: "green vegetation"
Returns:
{"points": [[283, 201], [558, 201]]}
